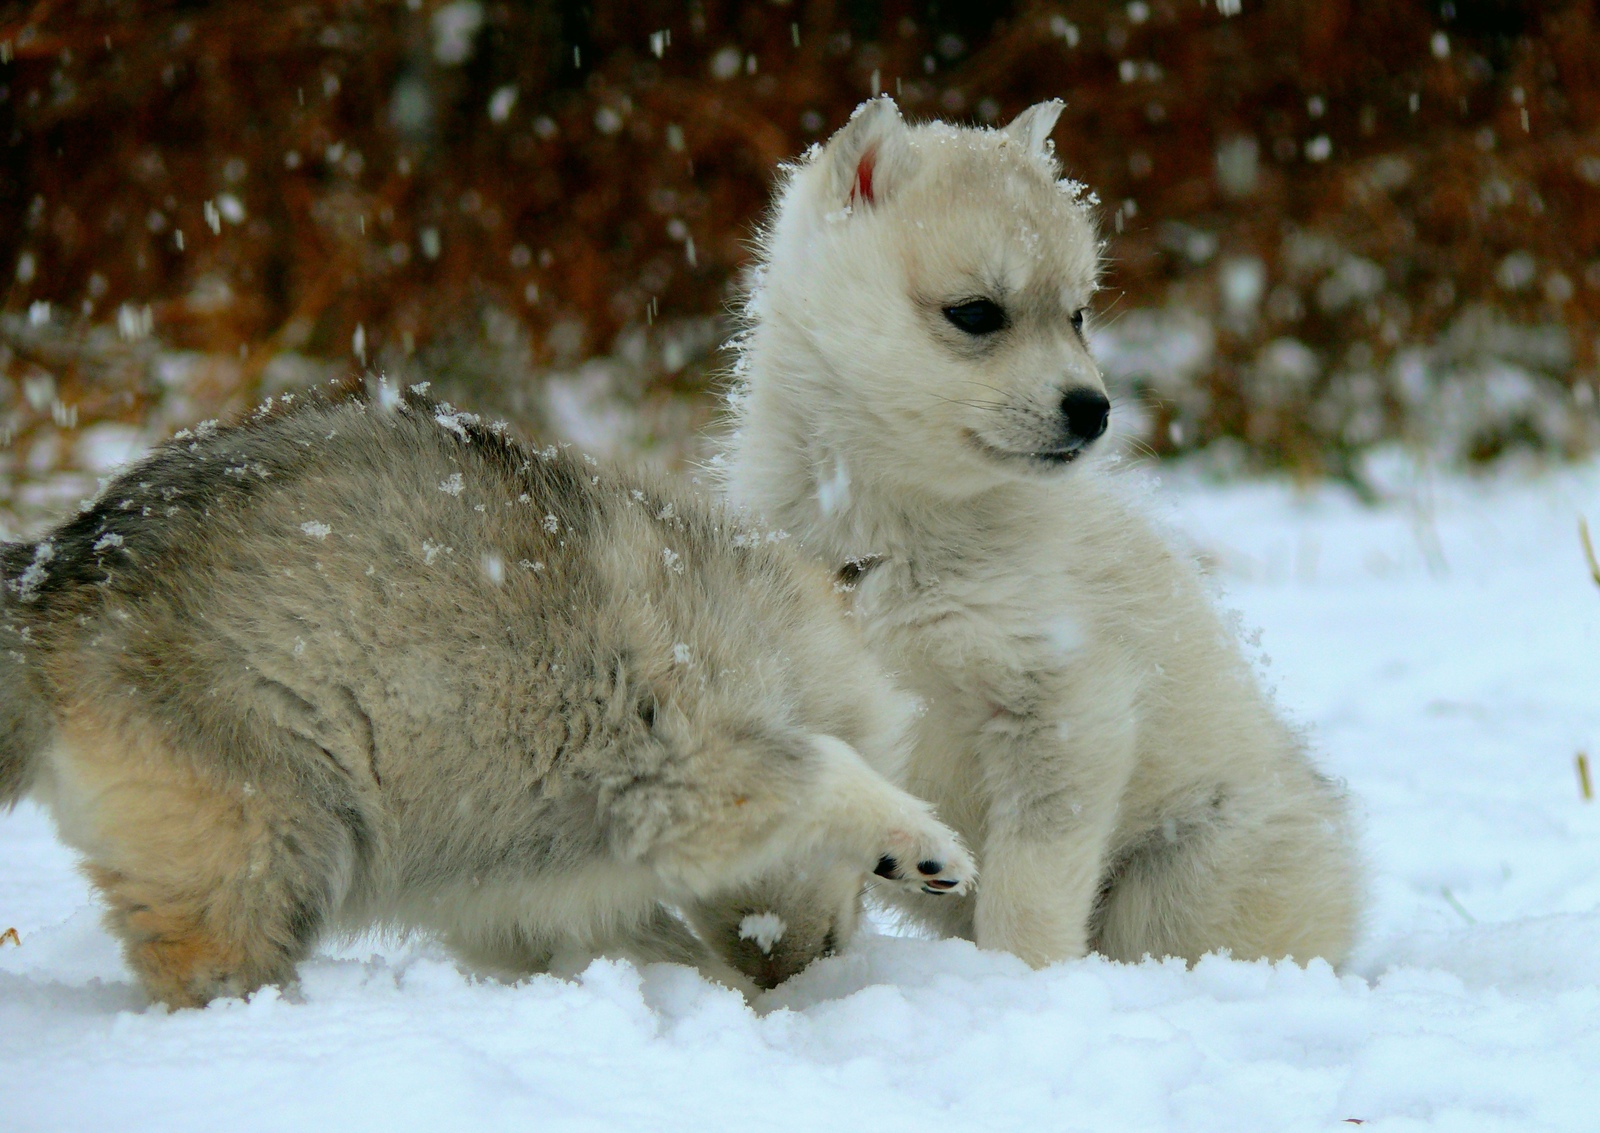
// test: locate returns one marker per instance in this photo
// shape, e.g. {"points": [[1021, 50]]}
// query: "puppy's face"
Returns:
{"points": [[942, 276], [772, 929]]}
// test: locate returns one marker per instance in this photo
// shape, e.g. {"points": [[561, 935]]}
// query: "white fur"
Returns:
{"points": [[1091, 728]]}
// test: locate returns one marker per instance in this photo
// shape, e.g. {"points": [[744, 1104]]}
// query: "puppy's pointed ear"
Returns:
{"points": [[1031, 129], [869, 157]]}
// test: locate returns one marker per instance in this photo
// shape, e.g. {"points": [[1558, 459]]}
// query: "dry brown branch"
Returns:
{"points": [[1588, 550]]}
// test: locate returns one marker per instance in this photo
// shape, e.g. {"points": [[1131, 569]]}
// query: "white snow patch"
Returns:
{"points": [[453, 421], [316, 530], [766, 929], [1443, 648], [27, 584], [431, 551], [452, 485], [592, 406], [833, 490], [108, 446], [1065, 634]]}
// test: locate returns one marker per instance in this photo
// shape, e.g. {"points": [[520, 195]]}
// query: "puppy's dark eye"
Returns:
{"points": [[1077, 320], [976, 316]]}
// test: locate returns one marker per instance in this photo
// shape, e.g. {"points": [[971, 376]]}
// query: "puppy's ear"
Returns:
{"points": [[870, 157], [1031, 129]]}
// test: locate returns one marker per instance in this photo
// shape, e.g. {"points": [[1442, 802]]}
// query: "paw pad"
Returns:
{"points": [[942, 865]]}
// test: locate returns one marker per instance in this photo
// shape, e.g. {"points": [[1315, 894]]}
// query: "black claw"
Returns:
{"points": [[929, 867], [940, 883], [887, 867]]}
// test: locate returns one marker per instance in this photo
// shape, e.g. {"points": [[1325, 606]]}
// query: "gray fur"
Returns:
{"points": [[363, 663]]}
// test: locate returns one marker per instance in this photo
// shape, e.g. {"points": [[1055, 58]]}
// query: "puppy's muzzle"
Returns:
{"points": [[1085, 414]]}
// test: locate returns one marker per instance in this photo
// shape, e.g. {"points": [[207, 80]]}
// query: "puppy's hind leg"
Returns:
{"points": [[212, 891], [1265, 873]]}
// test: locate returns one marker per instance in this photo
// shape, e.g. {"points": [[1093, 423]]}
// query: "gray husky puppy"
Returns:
{"points": [[917, 404], [372, 663]]}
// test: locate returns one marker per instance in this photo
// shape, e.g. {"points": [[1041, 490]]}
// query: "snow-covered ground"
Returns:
{"points": [[1445, 650]]}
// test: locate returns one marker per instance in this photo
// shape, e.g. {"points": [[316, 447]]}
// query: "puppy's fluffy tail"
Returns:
{"points": [[24, 717]]}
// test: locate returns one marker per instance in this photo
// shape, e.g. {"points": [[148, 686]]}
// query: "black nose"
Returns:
{"points": [[1087, 412]]}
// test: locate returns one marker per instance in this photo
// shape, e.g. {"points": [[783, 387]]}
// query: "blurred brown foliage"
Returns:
{"points": [[1344, 208]]}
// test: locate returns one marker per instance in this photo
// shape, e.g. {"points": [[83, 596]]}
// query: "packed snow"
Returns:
{"points": [[1443, 648]]}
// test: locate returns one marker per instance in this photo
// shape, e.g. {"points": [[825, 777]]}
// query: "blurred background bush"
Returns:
{"points": [[1331, 224]]}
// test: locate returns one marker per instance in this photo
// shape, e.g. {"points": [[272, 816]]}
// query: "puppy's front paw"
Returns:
{"points": [[929, 859]]}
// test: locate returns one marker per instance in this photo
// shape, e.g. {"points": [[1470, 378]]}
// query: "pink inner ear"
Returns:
{"points": [[863, 183]]}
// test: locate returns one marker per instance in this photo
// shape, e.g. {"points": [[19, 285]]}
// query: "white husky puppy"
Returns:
{"points": [[915, 394]]}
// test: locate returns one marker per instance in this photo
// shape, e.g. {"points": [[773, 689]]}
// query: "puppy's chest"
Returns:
{"points": [[976, 645]]}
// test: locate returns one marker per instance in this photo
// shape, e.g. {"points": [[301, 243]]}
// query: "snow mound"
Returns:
{"points": [[1444, 648]]}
